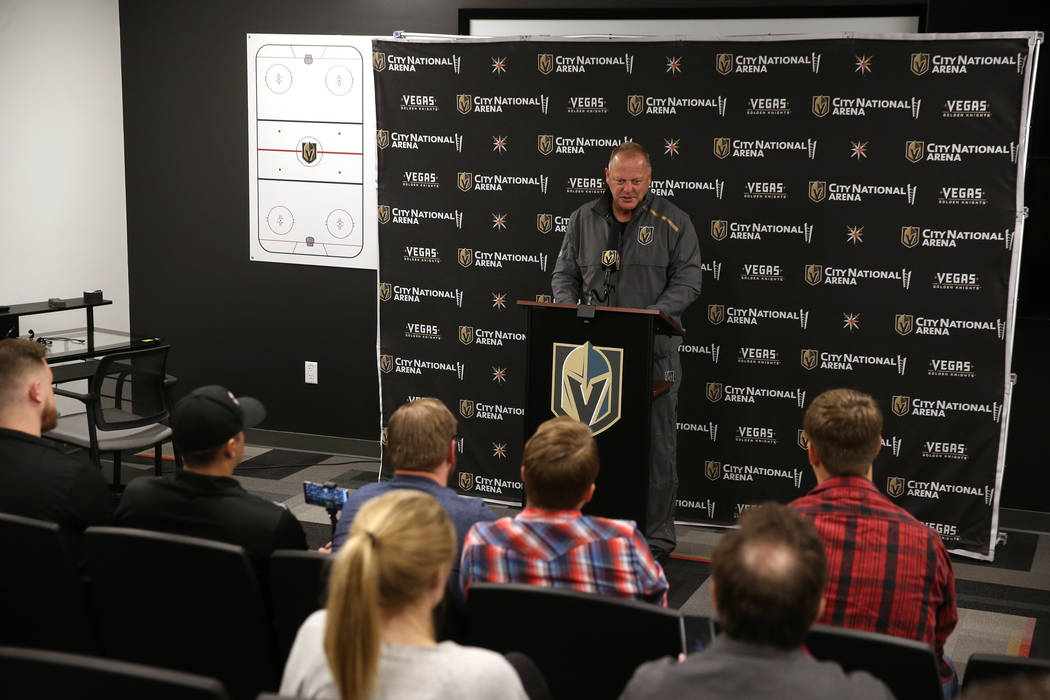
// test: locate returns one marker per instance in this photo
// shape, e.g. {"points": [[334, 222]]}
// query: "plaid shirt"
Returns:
{"points": [[887, 572], [564, 549]]}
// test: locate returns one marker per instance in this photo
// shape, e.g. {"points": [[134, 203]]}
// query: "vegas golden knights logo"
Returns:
{"points": [[386, 363], [901, 405], [645, 235], [545, 144], [545, 63], [464, 104], [904, 323], [895, 486], [466, 481], [465, 181], [610, 258], [821, 105], [814, 274], [920, 63], [714, 392], [635, 104], [818, 190], [716, 313], [722, 147], [719, 229], [712, 469], [545, 298], [466, 257], [914, 151], [724, 63], [544, 223], [384, 213], [466, 408], [909, 236], [309, 151], [803, 441], [810, 358], [378, 61], [466, 334], [386, 291], [586, 384], [382, 138], [383, 436]]}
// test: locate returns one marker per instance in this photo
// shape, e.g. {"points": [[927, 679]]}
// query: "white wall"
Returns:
{"points": [[63, 225]]}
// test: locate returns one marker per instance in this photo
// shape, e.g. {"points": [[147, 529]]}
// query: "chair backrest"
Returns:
{"points": [[42, 602], [298, 581], [131, 390], [183, 603], [986, 667], [908, 667], [33, 673], [586, 645]]}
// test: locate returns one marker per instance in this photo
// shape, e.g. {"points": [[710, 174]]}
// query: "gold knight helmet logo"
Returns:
{"points": [[821, 105], [384, 213], [464, 104], [719, 229], [716, 313], [818, 190], [466, 408], [466, 481], [810, 359], [635, 104], [714, 392], [466, 257], [309, 151], [920, 63], [466, 334], [383, 435], [545, 144], [645, 235], [382, 138], [901, 405], [914, 151], [814, 274], [909, 236], [545, 298], [803, 441], [545, 63], [712, 469], [378, 61], [386, 291], [721, 147], [724, 63], [895, 486], [611, 258], [586, 384], [465, 181], [904, 323], [386, 363], [544, 223]]}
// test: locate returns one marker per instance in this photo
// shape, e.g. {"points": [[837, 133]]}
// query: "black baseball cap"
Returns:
{"points": [[211, 415]]}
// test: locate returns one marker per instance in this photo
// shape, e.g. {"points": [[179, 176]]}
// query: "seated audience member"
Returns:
{"points": [[36, 479], [422, 448], [551, 543], [204, 500], [889, 572], [767, 586], [376, 638]]}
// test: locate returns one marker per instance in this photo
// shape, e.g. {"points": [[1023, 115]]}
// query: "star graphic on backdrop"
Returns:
{"points": [[674, 64], [499, 143], [499, 65], [851, 321], [858, 150], [499, 300], [499, 374], [499, 449], [671, 147], [499, 221], [863, 65], [855, 234]]}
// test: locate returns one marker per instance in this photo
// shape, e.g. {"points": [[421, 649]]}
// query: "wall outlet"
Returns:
{"points": [[311, 372]]}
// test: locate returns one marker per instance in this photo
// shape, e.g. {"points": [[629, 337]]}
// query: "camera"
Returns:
{"points": [[327, 495]]}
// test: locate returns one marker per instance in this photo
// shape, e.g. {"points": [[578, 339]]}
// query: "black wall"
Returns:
{"points": [[250, 325]]}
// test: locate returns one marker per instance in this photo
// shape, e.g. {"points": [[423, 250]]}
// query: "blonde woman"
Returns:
{"points": [[376, 639]]}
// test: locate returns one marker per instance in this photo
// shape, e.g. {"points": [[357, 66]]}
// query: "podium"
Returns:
{"points": [[595, 364]]}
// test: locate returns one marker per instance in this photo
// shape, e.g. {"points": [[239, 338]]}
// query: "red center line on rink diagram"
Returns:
{"points": [[293, 150]]}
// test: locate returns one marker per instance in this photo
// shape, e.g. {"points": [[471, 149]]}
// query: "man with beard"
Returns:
{"points": [[36, 479]]}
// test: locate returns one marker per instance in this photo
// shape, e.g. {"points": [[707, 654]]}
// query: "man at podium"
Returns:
{"points": [[630, 248]]}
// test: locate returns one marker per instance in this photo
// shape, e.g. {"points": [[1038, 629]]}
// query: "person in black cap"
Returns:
{"points": [[204, 500]]}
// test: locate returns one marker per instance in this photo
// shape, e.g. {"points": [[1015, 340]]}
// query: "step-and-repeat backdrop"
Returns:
{"points": [[857, 203]]}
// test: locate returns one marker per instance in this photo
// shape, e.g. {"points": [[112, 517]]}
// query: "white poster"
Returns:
{"points": [[311, 159]]}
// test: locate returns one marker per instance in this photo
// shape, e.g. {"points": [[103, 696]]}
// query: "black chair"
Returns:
{"points": [[586, 645], [126, 408], [987, 667], [297, 588], [183, 603], [29, 674], [906, 666], [42, 601]]}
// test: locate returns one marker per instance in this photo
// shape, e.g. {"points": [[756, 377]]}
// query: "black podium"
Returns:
{"points": [[595, 364]]}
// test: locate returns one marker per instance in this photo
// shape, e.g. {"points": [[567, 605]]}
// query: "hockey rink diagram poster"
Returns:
{"points": [[311, 169]]}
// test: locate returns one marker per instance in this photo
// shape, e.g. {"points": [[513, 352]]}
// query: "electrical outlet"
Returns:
{"points": [[311, 372]]}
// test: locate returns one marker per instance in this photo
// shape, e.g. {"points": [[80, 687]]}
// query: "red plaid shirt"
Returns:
{"points": [[887, 572], [564, 549]]}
